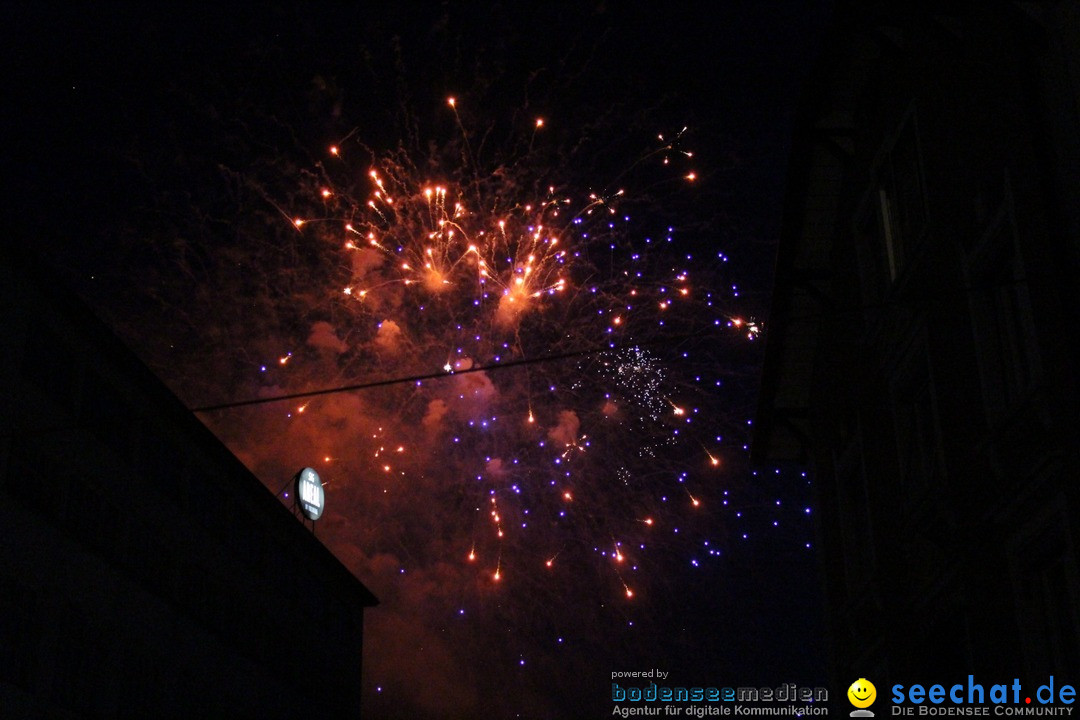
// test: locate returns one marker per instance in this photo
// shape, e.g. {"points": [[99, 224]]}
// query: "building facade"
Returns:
{"points": [[144, 572], [922, 352]]}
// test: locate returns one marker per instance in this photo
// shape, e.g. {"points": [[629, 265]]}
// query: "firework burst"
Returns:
{"points": [[568, 422]]}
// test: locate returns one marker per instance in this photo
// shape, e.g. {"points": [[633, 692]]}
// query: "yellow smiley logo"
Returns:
{"points": [[862, 693]]}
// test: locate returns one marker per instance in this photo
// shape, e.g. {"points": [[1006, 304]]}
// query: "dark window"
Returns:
{"points": [[918, 435], [854, 497], [1046, 586], [873, 268], [93, 520], [18, 633], [105, 413], [35, 481], [69, 656], [148, 557], [901, 199], [161, 468], [1002, 319], [50, 367]]}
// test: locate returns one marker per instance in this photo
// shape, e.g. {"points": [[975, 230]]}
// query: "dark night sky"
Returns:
{"points": [[123, 125], [113, 108]]}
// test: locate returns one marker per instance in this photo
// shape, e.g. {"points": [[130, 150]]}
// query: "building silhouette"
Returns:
{"points": [[144, 572], [922, 351]]}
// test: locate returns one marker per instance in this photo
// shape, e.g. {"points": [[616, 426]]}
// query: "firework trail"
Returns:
{"points": [[482, 276]]}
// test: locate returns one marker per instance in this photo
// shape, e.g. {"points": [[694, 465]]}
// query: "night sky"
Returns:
{"points": [[160, 159]]}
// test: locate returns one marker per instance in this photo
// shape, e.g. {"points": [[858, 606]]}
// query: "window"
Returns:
{"points": [[855, 512], [901, 200], [162, 467], [105, 412], [50, 366], [1001, 315], [918, 434], [1045, 586]]}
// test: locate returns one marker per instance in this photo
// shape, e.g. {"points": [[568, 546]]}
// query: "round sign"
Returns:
{"points": [[310, 493]]}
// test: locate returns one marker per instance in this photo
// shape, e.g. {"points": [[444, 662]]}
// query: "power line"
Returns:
{"points": [[431, 376]]}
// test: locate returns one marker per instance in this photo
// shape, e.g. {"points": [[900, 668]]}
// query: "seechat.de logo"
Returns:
{"points": [[862, 694]]}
